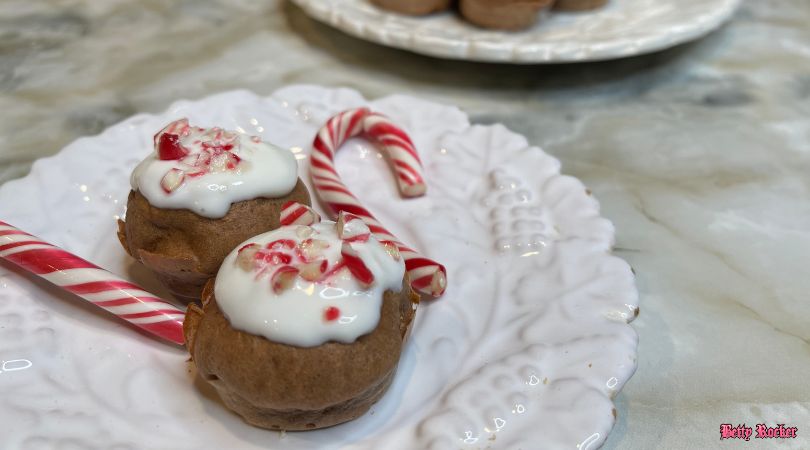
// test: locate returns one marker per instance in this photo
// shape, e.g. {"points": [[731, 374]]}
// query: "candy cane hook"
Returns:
{"points": [[426, 275]]}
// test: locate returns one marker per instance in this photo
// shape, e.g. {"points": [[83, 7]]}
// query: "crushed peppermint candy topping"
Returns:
{"points": [[198, 152], [287, 259]]}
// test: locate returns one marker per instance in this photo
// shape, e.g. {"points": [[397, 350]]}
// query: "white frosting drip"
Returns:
{"points": [[264, 170], [296, 316]]}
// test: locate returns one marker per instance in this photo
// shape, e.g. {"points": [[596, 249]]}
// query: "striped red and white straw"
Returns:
{"points": [[88, 281], [427, 276]]}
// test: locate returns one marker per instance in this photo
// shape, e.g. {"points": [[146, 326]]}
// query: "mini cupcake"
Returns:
{"points": [[200, 193], [579, 5], [303, 326], [503, 14], [414, 7]]}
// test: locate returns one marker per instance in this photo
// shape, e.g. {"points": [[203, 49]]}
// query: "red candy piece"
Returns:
{"points": [[178, 127], [246, 246], [281, 243], [359, 238], [169, 147], [294, 213], [283, 279], [313, 271], [351, 228], [335, 269], [331, 314], [246, 256], [356, 265], [221, 161], [310, 249], [274, 258], [392, 250], [172, 180]]}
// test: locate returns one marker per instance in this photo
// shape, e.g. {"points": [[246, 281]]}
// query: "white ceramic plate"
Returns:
{"points": [[620, 29], [525, 350]]}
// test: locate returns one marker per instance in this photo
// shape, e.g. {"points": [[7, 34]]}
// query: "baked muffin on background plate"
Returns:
{"points": [[578, 5], [414, 7], [503, 14]]}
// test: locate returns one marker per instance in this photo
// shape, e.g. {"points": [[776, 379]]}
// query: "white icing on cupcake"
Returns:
{"points": [[307, 285], [206, 170]]}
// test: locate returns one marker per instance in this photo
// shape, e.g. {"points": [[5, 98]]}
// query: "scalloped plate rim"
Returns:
{"points": [[475, 49]]}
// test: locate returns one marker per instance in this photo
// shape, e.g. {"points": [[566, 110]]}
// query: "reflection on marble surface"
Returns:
{"points": [[699, 155]]}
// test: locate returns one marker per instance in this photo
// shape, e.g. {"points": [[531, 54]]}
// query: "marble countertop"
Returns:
{"points": [[700, 155]]}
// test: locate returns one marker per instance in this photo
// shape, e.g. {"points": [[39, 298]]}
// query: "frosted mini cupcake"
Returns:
{"points": [[199, 194], [304, 325]]}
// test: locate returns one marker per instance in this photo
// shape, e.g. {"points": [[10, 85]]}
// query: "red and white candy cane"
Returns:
{"points": [[88, 281], [427, 276]]}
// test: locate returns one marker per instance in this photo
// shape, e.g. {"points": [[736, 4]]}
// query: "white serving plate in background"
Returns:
{"points": [[620, 29]]}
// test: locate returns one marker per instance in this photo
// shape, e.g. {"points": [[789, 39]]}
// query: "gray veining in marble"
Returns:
{"points": [[700, 155]]}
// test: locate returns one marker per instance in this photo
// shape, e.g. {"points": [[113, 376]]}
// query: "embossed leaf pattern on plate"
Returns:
{"points": [[526, 349]]}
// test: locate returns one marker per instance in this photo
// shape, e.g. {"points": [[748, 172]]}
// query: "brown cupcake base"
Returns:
{"points": [[185, 250], [302, 420]]}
